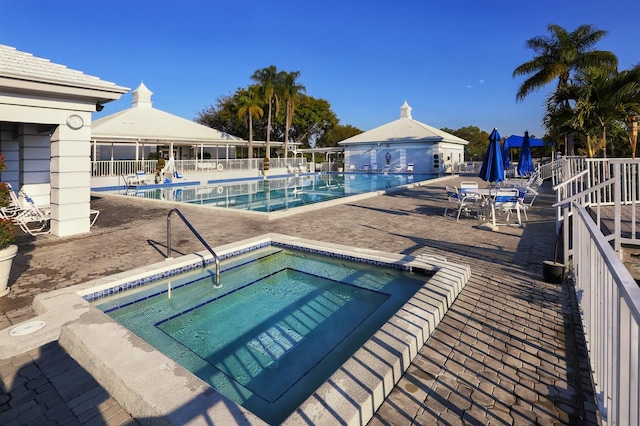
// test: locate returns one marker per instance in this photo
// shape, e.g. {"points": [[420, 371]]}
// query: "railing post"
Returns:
{"points": [[617, 194]]}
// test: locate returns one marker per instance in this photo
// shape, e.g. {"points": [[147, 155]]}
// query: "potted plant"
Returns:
{"points": [[8, 249], [159, 167]]}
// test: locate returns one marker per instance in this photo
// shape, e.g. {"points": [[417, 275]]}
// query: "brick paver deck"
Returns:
{"points": [[510, 351]]}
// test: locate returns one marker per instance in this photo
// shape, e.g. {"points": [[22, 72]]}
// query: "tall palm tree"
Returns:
{"points": [[250, 108], [267, 79], [603, 100], [561, 54], [291, 91]]}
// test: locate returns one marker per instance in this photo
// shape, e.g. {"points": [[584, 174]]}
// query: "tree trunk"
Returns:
{"points": [[268, 153], [633, 135], [250, 136]]}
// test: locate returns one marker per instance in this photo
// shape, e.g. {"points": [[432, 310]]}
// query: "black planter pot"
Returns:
{"points": [[553, 272]]}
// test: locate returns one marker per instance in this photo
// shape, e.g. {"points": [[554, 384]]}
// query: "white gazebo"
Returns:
{"points": [[130, 130], [401, 142], [45, 132]]}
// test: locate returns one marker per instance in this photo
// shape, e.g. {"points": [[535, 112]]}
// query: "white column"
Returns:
{"points": [[70, 179], [35, 153]]}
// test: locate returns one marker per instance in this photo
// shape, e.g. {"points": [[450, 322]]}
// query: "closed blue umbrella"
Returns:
{"points": [[492, 169], [505, 155], [525, 162]]}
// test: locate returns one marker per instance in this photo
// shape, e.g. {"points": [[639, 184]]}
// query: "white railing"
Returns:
{"points": [[609, 301], [128, 167], [594, 183], [122, 167], [608, 296]]}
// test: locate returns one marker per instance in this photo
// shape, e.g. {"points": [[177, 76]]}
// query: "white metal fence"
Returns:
{"points": [[608, 296], [609, 300]]}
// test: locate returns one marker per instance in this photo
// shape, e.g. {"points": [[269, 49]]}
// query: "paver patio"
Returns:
{"points": [[510, 350]]}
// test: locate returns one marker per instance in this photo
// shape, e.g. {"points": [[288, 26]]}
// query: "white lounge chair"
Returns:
{"points": [[12, 209], [33, 220], [410, 167]]}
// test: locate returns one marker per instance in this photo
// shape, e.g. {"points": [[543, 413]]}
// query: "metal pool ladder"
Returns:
{"points": [[197, 234]]}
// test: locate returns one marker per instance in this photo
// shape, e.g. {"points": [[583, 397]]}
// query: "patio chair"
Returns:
{"points": [[95, 214], [352, 167], [505, 201], [410, 167], [366, 168], [468, 186], [33, 220], [12, 209], [467, 203]]}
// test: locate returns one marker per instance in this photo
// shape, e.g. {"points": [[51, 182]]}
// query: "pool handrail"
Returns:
{"points": [[197, 234]]}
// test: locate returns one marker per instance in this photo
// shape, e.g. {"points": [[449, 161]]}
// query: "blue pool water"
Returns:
{"points": [[282, 323], [278, 193]]}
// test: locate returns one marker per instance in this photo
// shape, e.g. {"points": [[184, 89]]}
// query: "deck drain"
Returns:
{"points": [[27, 328]]}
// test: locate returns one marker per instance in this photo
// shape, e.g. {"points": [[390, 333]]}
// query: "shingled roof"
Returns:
{"points": [[17, 69]]}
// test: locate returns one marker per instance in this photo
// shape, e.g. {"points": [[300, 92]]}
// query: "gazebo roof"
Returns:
{"points": [[403, 130], [144, 123]]}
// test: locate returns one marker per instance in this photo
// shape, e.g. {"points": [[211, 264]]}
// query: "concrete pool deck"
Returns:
{"points": [[510, 350]]}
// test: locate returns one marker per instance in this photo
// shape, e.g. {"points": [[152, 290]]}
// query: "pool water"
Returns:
{"points": [[282, 323], [278, 193]]}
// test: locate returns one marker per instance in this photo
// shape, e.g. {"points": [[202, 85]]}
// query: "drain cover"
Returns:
{"points": [[27, 328]]}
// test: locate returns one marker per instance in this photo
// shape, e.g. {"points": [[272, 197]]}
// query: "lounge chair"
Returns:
{"points": [[352, 167], [95, 214], [410, 167], [12, 209], [33, 220], [177, 175]]}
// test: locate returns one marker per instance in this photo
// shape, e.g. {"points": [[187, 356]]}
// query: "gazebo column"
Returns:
{"points": [[70, 180]]}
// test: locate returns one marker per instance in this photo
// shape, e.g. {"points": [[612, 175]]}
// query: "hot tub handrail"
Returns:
{"points": [[197, 234]]}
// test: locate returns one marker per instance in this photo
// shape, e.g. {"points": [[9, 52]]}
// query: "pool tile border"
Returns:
{"points": [[138, 282]]}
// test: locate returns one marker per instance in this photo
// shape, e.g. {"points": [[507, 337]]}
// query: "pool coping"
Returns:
{"points": [[114, 355], [284, 213]]}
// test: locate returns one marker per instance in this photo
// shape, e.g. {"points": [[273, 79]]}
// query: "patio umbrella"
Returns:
{"points": [[505, 155], [525, 163], [492, 169]]}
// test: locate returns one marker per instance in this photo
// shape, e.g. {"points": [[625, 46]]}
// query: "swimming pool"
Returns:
{"points": [[276, 193], [150, 385], [283, 322]]}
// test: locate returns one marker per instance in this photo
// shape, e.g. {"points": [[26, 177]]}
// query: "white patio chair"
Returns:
{"points": [[506, 200], [12, 209], [467, 203], [33, 220], [410, 167], [468, 186]]}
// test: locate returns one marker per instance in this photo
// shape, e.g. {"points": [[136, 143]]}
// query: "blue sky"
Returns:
{"points": [[451, 60]]}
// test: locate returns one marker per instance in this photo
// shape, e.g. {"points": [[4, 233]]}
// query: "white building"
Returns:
{"points": [[401, 142], [135, 132], [45, 132]]}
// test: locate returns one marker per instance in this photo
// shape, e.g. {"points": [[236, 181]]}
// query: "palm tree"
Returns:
{"points": [[561, 54], [603, 100], [291, 91], [267, 79], [250, 108]]}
